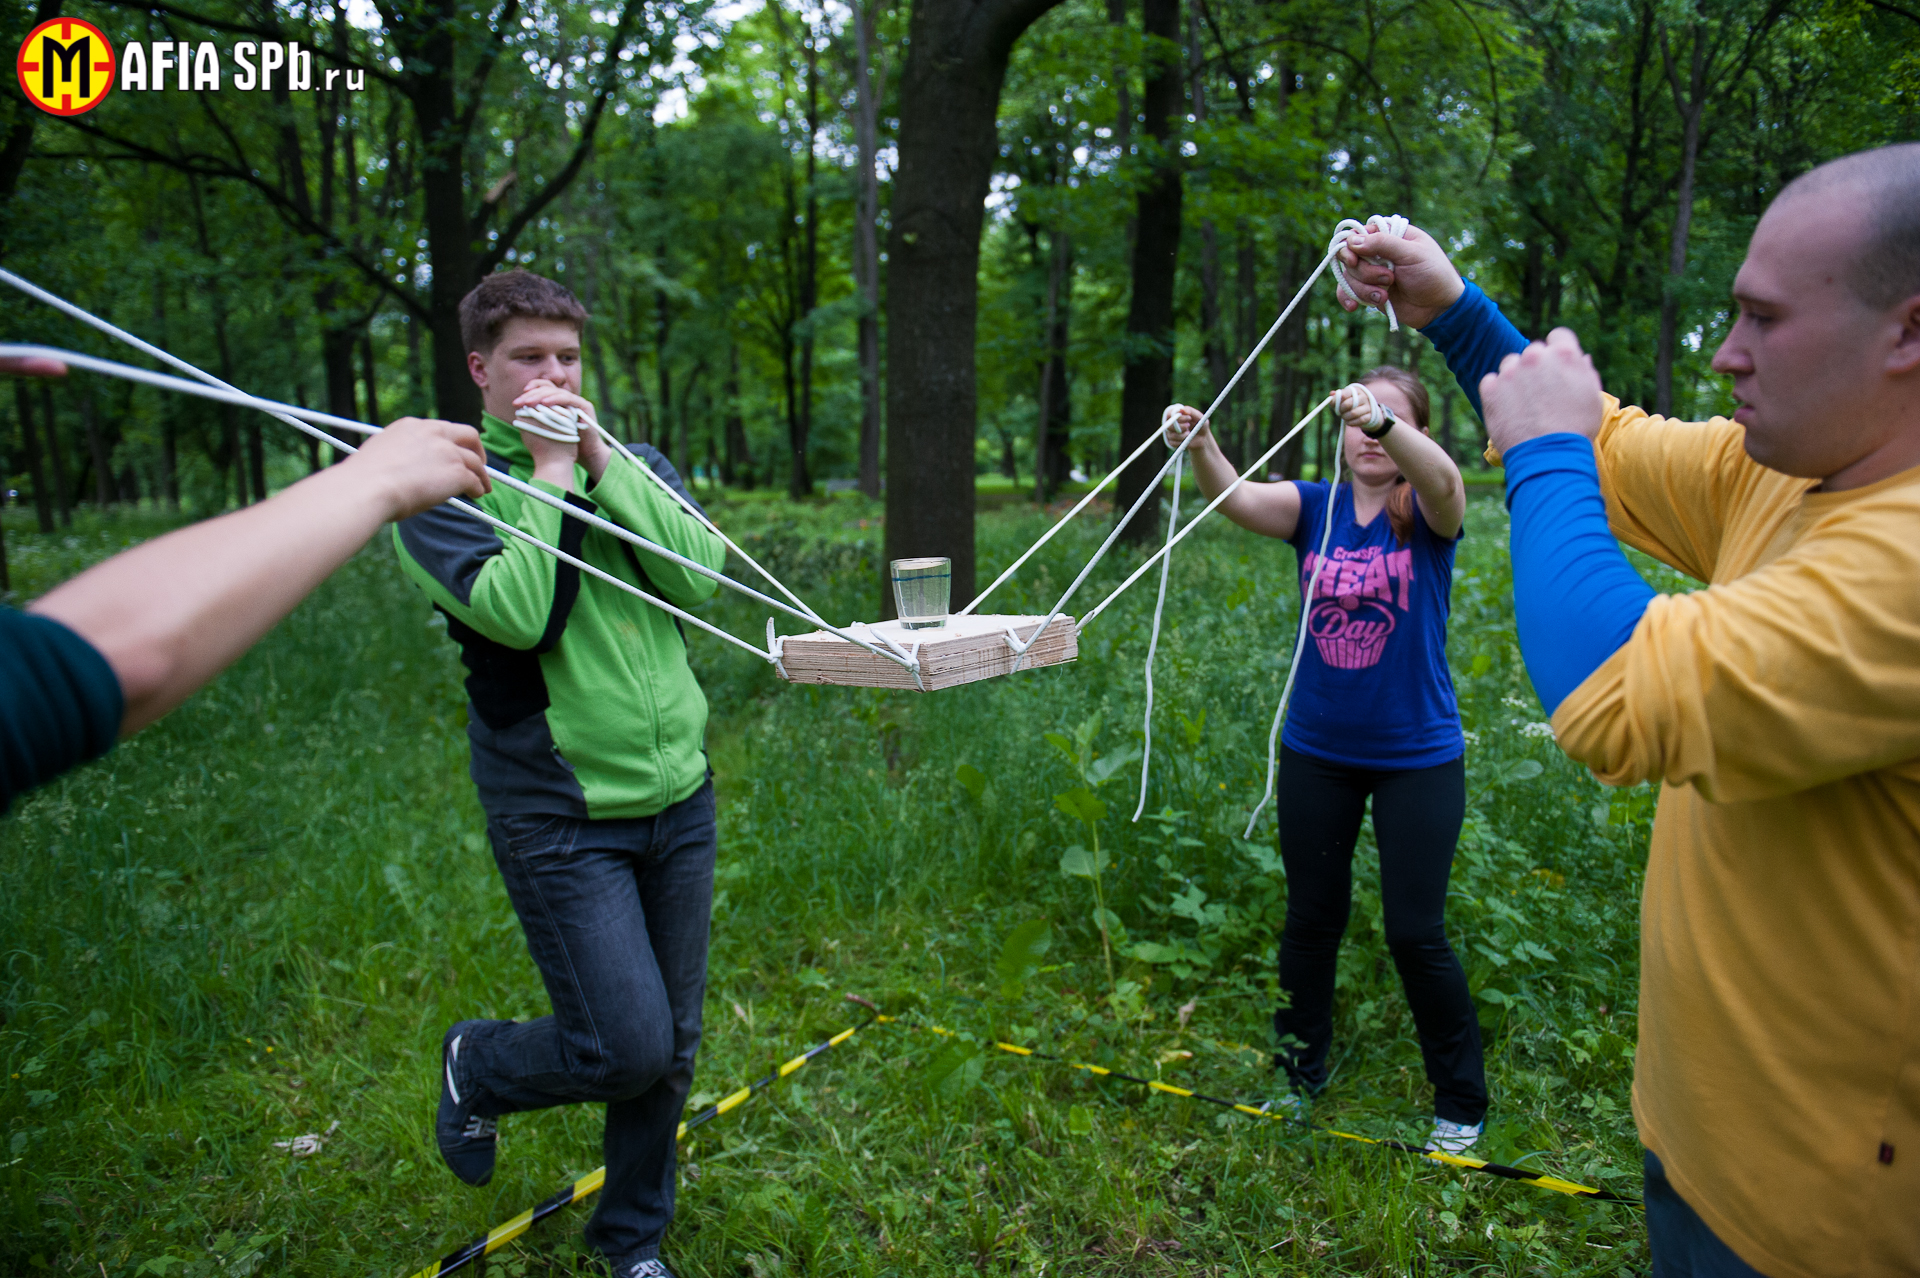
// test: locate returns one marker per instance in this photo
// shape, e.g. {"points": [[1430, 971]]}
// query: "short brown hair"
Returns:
{"points": [[514, 294], [1883, 187], [1400, 500]]}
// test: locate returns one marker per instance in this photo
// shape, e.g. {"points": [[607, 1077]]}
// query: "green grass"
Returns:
{"points": [[255, 920]]}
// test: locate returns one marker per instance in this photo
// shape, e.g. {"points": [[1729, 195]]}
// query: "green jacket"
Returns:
{"points": [[581, 702]]}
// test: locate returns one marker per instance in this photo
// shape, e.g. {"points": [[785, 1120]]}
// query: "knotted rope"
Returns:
{"points": [[1391, 224]]}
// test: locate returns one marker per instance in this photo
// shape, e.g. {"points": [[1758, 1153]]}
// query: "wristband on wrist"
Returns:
{"points": [[1387, 420]]}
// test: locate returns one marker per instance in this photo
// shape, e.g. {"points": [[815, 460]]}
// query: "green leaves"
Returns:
{"points": [[1081, 805], [1076, 862], [1020, 957], [972, 779], [1101, 770], [1079, 1121], [1519, 770], [954, 1069]]}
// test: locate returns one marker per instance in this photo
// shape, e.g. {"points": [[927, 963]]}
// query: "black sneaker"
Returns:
{"points": [[466, 1140]]}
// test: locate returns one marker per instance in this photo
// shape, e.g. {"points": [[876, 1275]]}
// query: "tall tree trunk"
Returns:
{"points": [[866, 245], [169, 479], [662, 326], [1690, 102], [736, 461], [336, 364], [800, 480], [1247, 331], [56, 458], [36, 463], [1147, 380], [367, 377], [19, 138], [98, 449], [1052, 436], [957, 53], [1213, 336]]}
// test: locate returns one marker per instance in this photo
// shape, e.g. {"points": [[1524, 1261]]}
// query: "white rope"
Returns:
{"points": [[1272, 331], [1153, 641], [297, 416], [1392, 225], [561, 424], [222, 393], [1300, 637], [1389, 223], [1211, 506]]}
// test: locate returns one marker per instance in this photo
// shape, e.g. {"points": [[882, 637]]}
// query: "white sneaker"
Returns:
{"points": [[1453, 1138], [1289, 1105]]}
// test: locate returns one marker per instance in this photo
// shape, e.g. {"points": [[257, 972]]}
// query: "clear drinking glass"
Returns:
{"points": [[920, 591]]}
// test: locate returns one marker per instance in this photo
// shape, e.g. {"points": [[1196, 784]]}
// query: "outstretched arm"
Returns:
{"points": [[1270, 509], [171, 614]]}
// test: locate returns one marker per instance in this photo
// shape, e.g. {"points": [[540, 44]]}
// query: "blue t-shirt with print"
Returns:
{"points": [[1374, 690]]}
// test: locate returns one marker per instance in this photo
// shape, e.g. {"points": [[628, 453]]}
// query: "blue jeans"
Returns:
{"points": [[1682, 1245], [615, 914]]}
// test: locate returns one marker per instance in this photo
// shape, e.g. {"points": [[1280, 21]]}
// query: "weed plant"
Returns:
{"points": [[254, 921]]}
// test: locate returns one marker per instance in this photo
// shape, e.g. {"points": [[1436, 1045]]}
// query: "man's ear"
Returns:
{"points": [[477, 369], [1905, 356]]}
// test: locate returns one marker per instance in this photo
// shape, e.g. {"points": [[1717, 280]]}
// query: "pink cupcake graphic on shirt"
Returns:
{"points": [[1351, 632]]}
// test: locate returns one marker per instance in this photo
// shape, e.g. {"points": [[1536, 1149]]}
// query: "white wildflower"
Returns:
{"points": [[301, 1146], [1543, 730]]}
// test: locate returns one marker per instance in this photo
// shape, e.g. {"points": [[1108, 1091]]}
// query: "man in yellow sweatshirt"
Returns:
{"points": [[1777, 1082]]}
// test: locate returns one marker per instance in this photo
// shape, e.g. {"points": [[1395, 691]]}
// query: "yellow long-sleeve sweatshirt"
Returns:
{"points": [[1778, 1071]]}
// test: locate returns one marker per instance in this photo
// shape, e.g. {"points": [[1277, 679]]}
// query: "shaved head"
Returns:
{"points": [[1880, 191]]}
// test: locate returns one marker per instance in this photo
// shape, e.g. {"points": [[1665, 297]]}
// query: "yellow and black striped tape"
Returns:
{"points": [[501, 1235], [1520, 1174]]}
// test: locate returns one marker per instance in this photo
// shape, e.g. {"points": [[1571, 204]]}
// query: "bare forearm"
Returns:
{"points": [[1433, 475], [171, 614]]}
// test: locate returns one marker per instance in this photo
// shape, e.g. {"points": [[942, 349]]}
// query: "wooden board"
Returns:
{"points": [[964, 650]]}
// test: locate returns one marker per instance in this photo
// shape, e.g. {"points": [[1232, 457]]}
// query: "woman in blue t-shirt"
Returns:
{"points": [[1372, 715]]}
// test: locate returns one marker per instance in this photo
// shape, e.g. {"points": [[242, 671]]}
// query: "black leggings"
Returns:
{"points": [[1416, 822]]}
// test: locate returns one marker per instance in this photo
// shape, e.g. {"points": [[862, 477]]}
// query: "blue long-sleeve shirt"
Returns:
{"points": [[1576, 598]]}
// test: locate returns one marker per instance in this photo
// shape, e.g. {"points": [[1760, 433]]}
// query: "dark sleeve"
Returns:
{"points": [[1474, 337], [60, 702], [657, 462], [1576, 599]]}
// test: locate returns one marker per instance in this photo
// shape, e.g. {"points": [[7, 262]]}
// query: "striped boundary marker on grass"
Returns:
{"points": [[502, 1234]]}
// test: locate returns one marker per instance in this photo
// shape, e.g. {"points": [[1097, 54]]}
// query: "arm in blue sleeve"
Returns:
{"points": [[1576, 599], [60, 702], [1474, 337]]}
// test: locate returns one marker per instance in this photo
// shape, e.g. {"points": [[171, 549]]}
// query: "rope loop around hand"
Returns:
{"points": [[1351, 394], [1388, 223], [550, 421]]}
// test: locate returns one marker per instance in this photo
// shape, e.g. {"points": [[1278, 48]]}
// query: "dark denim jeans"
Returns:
{"points": [[1682, 1244], [615, 914]]}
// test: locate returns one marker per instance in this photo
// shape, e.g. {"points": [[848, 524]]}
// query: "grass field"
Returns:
{"points": [[255, 920]]}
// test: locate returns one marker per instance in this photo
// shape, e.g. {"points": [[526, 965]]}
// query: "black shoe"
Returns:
{"points": [[466, 1140]]}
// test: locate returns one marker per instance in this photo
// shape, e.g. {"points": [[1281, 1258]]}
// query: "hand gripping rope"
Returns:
{"points": [[595, 1180]]}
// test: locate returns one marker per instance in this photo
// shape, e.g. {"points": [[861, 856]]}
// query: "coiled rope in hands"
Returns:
{"points": [[1343, 235]]}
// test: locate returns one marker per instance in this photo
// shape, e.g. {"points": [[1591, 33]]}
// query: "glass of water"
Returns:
{"points": [[920, 591]]}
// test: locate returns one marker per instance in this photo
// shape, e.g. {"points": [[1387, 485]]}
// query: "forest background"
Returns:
{"points": [[967, 246], [961, 251]]}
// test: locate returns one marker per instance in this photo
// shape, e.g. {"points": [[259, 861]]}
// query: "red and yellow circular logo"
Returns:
{"points": [[65, 66]]}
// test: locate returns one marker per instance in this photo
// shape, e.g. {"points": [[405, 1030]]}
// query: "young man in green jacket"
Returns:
{"points": [[586, 729]]}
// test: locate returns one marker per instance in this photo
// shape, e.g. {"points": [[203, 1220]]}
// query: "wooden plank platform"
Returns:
{"points": [[964, 650]]}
